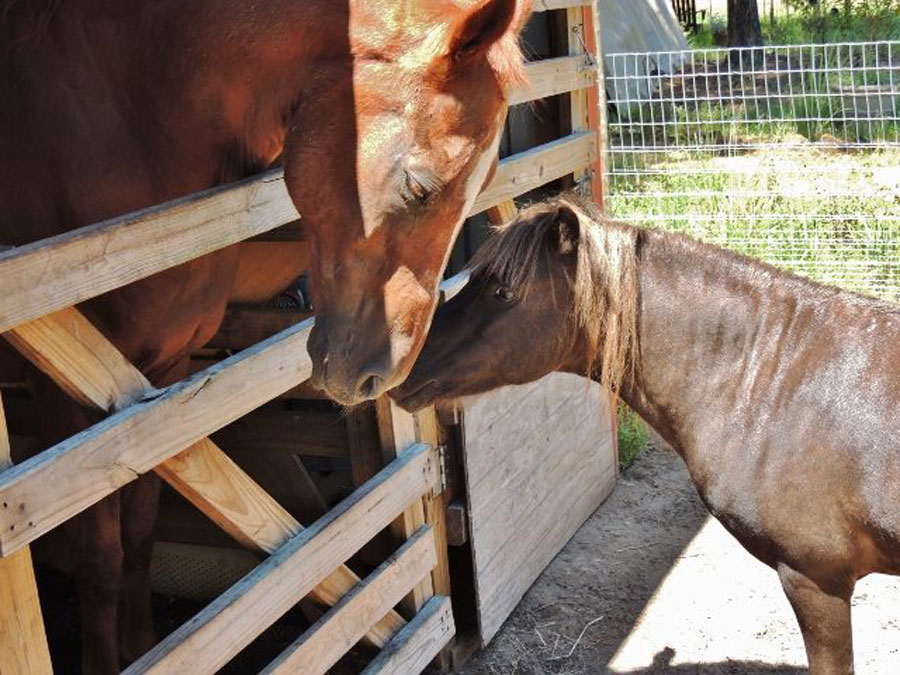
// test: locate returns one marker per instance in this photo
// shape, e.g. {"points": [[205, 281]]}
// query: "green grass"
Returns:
{"points": [[790, 182], [828, 215], [633, 435], [811, 27]]}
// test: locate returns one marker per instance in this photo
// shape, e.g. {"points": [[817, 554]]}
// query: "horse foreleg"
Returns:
{"points": [[140, 504], [97, 559], [824, 620]]}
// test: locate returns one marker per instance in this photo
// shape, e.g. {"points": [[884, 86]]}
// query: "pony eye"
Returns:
{"points": [[503, 294]]}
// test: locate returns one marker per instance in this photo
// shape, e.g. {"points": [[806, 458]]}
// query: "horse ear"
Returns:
{"points": [[481, 27], [566, 230]]}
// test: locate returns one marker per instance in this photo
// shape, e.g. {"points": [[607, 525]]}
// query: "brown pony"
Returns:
{"points": [[386, 117], [781, 395]]}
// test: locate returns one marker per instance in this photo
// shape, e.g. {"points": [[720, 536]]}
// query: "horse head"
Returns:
{"points": [[429, 96]]}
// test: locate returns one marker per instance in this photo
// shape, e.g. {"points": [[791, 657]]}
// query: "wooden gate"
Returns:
{"points": [[148, 429]]}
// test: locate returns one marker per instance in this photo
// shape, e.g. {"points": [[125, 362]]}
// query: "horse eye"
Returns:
{"points": [[503, 294], [414, 190]]}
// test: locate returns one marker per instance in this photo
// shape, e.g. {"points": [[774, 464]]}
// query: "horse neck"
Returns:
{"points": [[703, 315], [187, 95]]}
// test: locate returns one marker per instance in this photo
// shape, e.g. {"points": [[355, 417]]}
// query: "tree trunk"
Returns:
{"points": [[743, 24]]}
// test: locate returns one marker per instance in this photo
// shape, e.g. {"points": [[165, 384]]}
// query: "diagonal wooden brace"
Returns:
{"points": [[68, 348]]}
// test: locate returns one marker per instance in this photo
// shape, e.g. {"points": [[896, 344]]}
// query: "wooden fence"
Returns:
{"points": [[167, 430]]}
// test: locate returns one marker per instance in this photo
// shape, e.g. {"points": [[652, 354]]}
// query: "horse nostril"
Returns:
{"points": [[370, 387]]}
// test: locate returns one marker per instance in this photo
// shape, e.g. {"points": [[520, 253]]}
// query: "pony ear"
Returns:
{"points": [[481, 27], [566, 230]]}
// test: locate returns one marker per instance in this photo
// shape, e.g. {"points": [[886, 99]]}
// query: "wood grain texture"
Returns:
{"points": [[54, 273], [97, 376], [212, 637], [23, 643], [539, 454], [397, 431], [413, 648], [64, 480], [73, 352], [524, 171], [503, 213], [580, 101], [597, 112], [549, 5], [324, 643], [551, 77]]}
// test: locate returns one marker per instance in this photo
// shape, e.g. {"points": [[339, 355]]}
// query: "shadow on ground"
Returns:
{"points": [[588, 601]]}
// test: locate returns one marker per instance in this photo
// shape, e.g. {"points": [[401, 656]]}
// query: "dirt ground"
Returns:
{"points": [[651, 584]]}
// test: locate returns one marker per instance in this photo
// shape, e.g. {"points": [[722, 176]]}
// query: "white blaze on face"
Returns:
{"points": [[476, 180], [400, 348]]}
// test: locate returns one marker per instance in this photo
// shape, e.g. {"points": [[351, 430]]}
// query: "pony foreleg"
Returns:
{"points": [[824, 621], [140, 504]]}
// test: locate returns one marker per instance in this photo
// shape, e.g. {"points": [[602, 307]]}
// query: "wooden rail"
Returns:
{"points": [[528, 170], [54, 273], [210, 639], [323, 645], [51, 487], [551, 77], [548, 5]]}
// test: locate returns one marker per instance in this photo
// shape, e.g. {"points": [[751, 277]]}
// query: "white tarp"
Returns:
{"points": [[639, 26]]}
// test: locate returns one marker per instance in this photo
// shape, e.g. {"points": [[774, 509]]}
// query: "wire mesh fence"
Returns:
{"points": [[790, 154]]}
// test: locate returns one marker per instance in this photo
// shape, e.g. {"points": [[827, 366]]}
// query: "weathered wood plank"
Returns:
{"points": [[551, 77], [413, 648], [64, 480], [528, 170], [73, 352], [54, 273], [98, 377], [580, 103], [503, 213], [511, 479], [323, 645], [549, 5], [397, 430], [597, 112], [23, 645], [209, 640]]}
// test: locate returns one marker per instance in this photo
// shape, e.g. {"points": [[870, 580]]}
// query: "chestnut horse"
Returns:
{"points": [[386, 117], [781, 395]]}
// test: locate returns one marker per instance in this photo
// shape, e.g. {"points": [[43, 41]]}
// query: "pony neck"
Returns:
{"points": [[699, 326]]}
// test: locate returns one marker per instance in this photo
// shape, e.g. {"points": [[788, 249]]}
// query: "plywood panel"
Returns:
{"points": [[539, 460]]}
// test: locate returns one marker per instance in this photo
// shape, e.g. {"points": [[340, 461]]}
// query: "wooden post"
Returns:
{"points": [[575, 29], [397, 430], [23, 644], [597, 110]]}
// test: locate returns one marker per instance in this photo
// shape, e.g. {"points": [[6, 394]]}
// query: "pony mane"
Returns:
{"points": [[602, 278]]}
